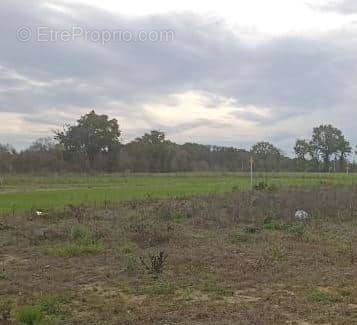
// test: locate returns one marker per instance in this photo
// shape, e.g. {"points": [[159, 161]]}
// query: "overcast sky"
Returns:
{"points": [[231, 73]]}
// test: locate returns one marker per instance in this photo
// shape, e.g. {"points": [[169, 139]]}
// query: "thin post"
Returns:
{"points": [[251, 172]]}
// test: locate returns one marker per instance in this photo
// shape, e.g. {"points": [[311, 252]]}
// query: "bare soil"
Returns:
{"points": [[241, 258]]}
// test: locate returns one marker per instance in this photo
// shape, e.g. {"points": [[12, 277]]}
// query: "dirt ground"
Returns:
{"points": [[239, 258]]}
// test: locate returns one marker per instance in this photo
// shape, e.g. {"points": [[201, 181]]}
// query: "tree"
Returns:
{"points": [[326, 139], [268, 153], [154, 137], [42, 145], [344, 149], [302, 149], [92, 135], [155, 151], [7, 157]]}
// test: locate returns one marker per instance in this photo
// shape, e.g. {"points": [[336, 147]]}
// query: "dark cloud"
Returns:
{"points": [[291, 76]]}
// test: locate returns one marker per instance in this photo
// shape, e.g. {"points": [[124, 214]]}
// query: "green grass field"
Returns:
{"points": [[23, 193]]}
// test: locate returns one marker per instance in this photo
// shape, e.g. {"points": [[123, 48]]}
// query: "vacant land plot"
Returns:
{"points": [[25, 193], [237, 258]]}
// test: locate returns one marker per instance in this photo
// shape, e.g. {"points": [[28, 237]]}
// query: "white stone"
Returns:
{"points": [[301, 215]]}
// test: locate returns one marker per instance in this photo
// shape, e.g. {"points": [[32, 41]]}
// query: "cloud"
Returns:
{"points": [[207, 78], [346, 7]]}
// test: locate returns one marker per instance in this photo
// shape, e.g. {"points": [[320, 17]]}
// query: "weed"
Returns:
{"points": [[76, 249], [297, 230], [238, 237], [50, 305], [5, 309], [273, 188], [156, 263], [149, 235], [78, 212], [81, 235], [271, 224], [250, 230], [317, 295], [178, 217], [277, 254], [46, 312], [261, 186], [29, 315], [131, 264], [3, 275], [128, 249], [161, 288], [214, 288], [83, 242], [351, 252]]}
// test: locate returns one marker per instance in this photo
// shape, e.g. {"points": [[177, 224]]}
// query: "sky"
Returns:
{"points": [[222, 72]]}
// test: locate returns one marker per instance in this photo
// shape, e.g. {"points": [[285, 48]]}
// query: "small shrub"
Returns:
{"points": [[261, 186], [156, 263], [29, 315]]}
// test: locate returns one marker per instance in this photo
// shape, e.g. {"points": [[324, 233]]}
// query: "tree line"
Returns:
{"points": [[93, 143]]}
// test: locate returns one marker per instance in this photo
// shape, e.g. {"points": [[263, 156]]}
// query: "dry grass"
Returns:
{"points": [[238, 258]]}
